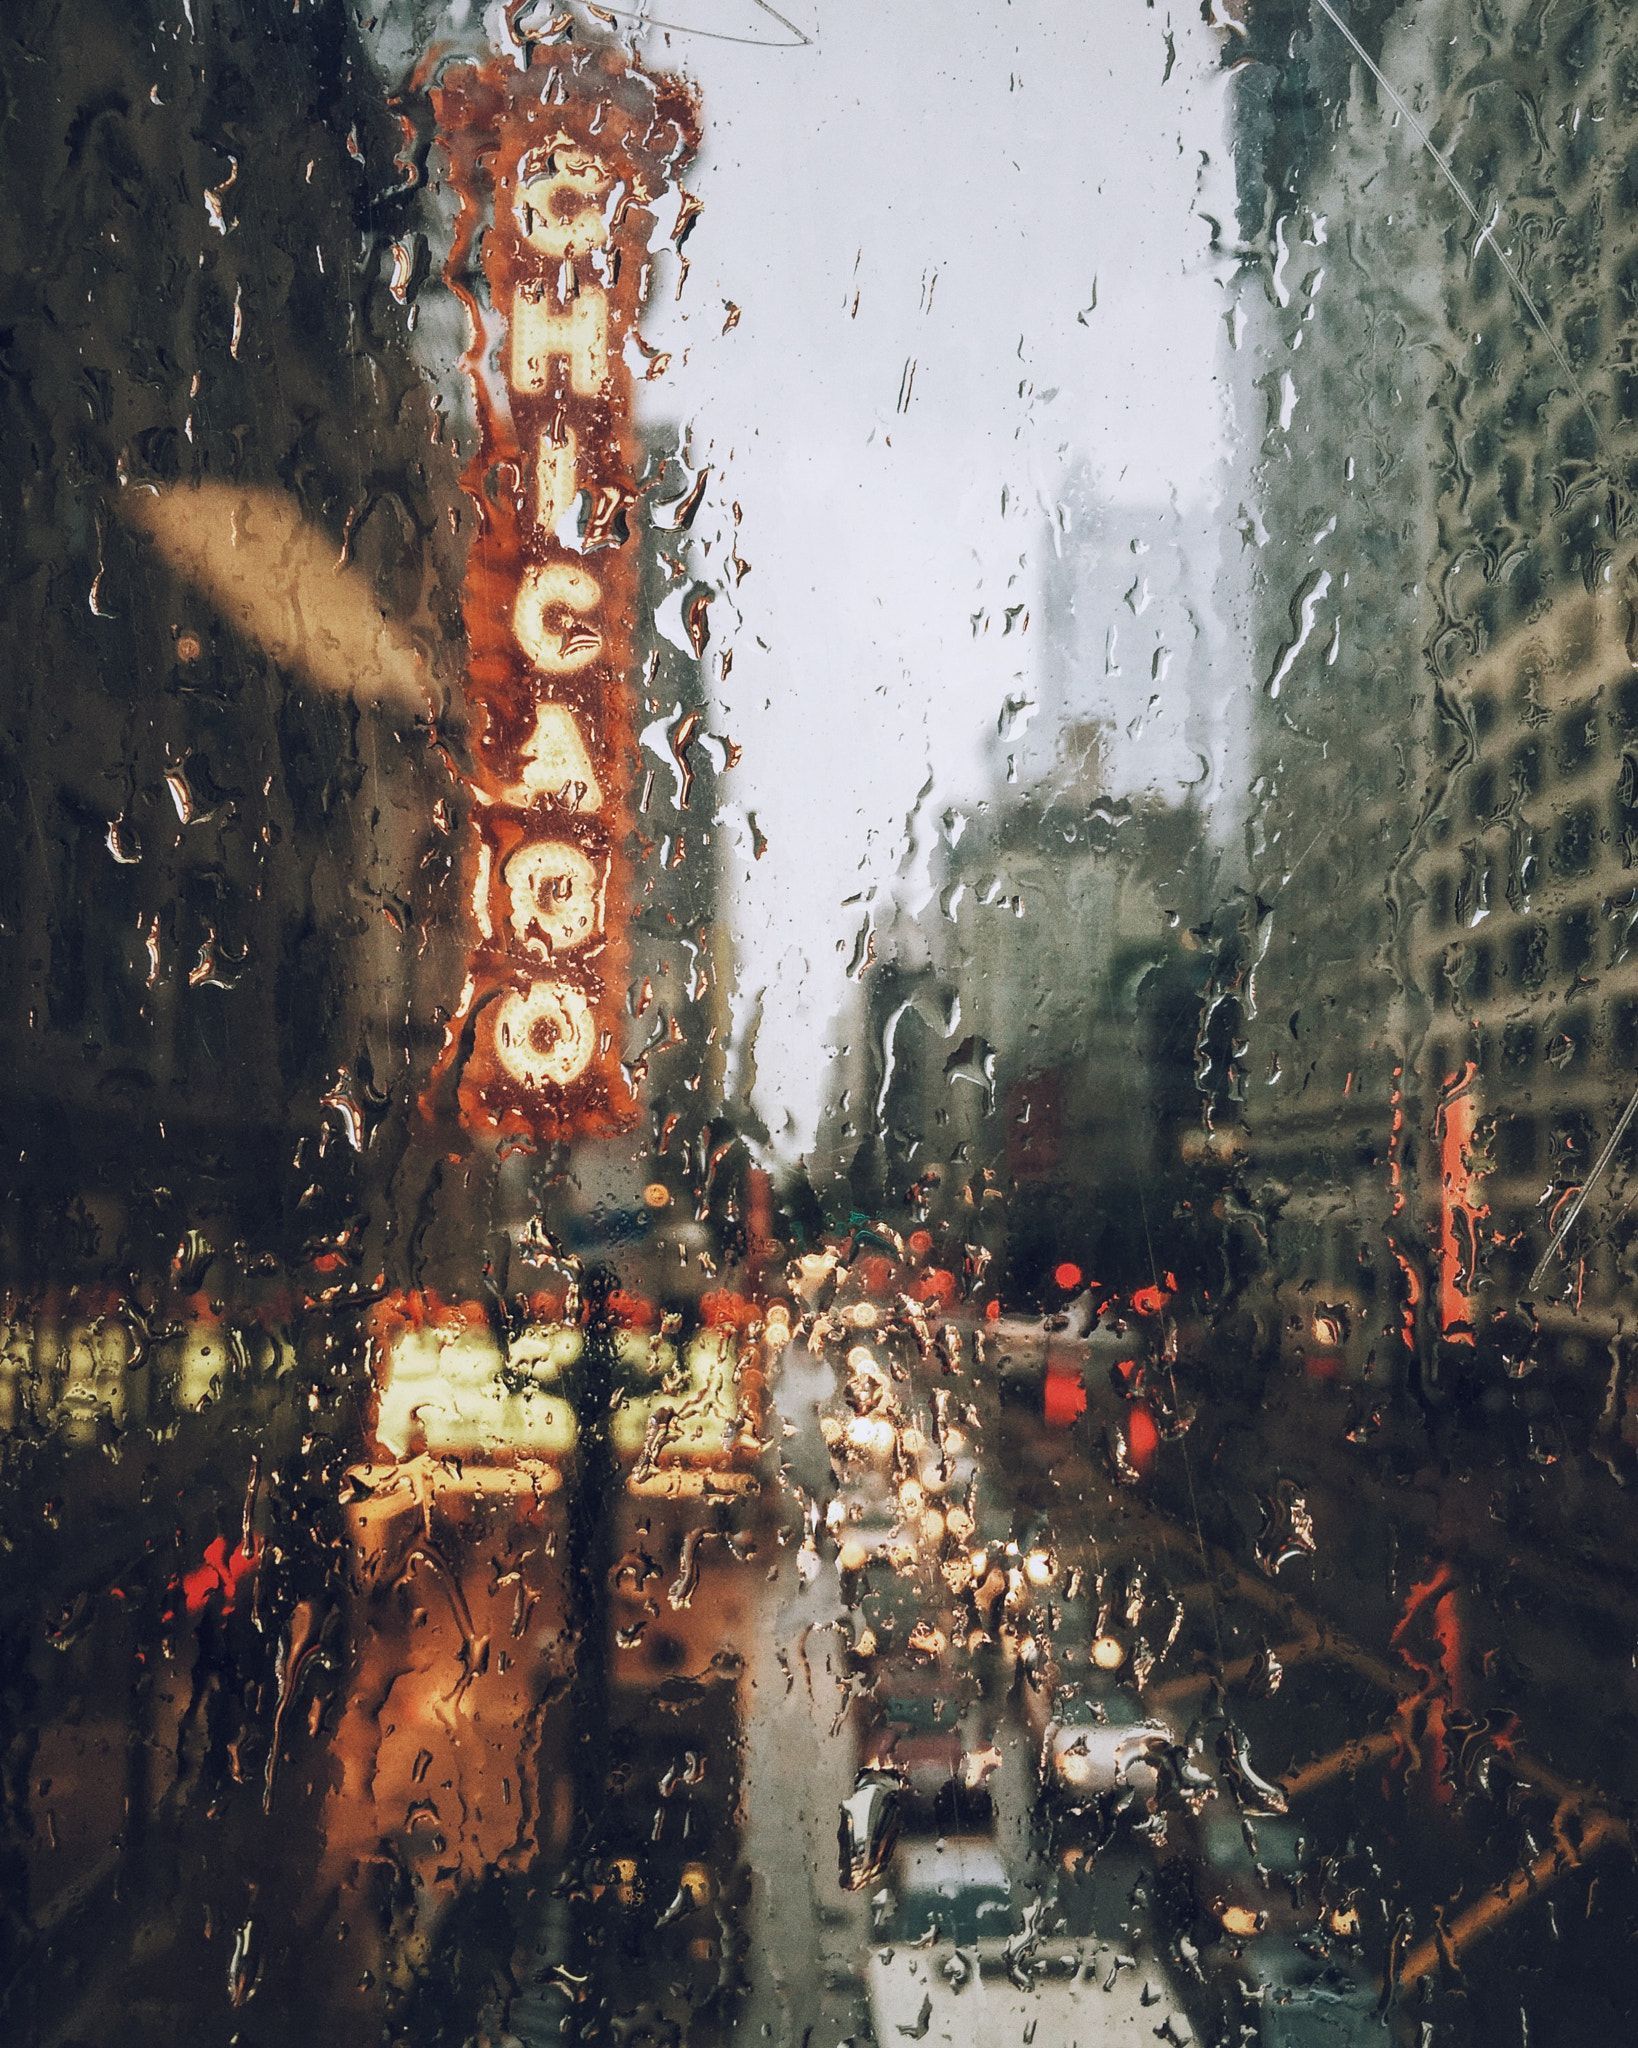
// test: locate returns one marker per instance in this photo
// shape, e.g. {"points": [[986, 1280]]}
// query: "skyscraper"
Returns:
{"points": [[1439, 533]]}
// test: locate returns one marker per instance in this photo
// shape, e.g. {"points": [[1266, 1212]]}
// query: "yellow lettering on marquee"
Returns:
{"points": [[480, 892], [545, 1035], [578, 335], [555, 896], [555, 764], [556, 484], [560, 649], [564, 232]]}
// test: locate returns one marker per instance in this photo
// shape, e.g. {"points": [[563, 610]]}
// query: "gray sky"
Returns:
{"points": [[970, 257]]}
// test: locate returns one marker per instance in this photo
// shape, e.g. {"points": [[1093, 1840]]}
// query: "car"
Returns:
{"points": [[1097, 1774], [961, 1959], [1283, 1953], [1103, 1757], [1066, 1373], [1305, 2000], [916, 1713]]}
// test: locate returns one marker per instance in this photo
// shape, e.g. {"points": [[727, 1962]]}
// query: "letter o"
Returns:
{"points": [[545, 1035]]}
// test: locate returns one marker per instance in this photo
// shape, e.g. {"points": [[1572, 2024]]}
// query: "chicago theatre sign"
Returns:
{"points": [[558, 168]]}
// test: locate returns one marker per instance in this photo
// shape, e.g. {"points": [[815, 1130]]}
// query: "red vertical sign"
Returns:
{"points": [[559, 169]]}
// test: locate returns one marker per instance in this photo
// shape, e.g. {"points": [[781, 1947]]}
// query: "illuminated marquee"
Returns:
{"points": [[558, 169]]}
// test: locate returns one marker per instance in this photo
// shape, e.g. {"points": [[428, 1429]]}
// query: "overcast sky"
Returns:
{"points": [[970, 253]]}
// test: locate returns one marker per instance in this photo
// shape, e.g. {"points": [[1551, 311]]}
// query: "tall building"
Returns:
{"points": [[1433, 287], [1131, 641], [223, 859], [1021, 1049]]}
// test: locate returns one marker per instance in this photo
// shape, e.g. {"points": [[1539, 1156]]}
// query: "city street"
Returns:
{"points": [[819, 957], [945, 1718]]}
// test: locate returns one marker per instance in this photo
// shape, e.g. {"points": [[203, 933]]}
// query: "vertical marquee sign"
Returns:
{"points": [[558, 168]]}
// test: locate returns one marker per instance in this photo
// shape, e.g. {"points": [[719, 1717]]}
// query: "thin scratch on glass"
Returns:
{"points": [[642, 20], [1600, 1166], [1486, 228]]}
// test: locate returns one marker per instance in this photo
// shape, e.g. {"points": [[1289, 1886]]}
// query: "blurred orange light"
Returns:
{"points": [[1063, 1398], [628, 1311], [722, 1309], [875, 1273]]}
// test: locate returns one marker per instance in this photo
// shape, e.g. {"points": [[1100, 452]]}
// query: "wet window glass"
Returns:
{"points": [[821, 1090]]}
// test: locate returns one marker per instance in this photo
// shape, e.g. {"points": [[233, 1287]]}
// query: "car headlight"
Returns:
{"points": [[1074, 1767]]}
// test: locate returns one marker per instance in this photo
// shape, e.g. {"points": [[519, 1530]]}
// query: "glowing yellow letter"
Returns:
{"points": [[554, 892], [545, 1035], [556, 765], [541, 334], [564, 648], [563, 232]]}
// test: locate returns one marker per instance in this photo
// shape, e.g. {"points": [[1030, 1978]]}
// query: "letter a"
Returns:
{"points": [[555, 765]]}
